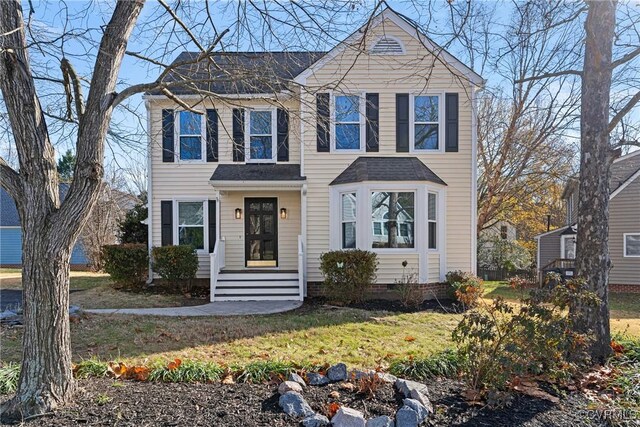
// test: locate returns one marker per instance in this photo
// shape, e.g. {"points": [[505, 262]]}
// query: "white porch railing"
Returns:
{"points": [[217, 263], [300, 268]]}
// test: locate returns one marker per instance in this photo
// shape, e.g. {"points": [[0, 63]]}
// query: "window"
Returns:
{"points": [[190, 135], [347, 122], [632, 245], [432, 219], [261, 135], [377, 228], [191, 224], [569, 209], [348, 220], [396, 210], [568, 247], [426, 122], [503, 232]]}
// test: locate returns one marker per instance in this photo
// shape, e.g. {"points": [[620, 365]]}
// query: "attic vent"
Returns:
{"points": [[388, 46]]}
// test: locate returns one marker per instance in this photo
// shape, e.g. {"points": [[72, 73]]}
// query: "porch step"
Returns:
{"points": [[257, 285]]}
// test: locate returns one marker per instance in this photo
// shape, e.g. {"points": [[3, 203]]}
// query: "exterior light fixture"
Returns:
{"points": [[238, 213], [283, 213]]}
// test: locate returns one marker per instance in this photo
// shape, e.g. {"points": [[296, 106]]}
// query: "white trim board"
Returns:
{"points": [[625, 184]]}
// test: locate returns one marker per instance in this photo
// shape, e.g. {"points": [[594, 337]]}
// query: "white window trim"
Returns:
{"points": [[436, 221], [205, 221], [342, 221], [203, 136], [563, 244], [361, 116], [412, 123], [274, 135], [624, 245]]}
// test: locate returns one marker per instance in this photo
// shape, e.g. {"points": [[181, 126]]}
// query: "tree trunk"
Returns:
{"points": [[46, 380], [592, 257]]}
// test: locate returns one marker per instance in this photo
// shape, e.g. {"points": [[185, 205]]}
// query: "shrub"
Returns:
{"points": [[127, 264], [131, 228], [9, 375], [91, 368], [260, 372], [188, 371], [501, 341], [466, 288], [445, 364], [348, 275], [408, 288], [177, 265]]}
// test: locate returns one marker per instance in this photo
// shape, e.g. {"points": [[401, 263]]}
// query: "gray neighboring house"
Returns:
{"points": [[557, 248]]}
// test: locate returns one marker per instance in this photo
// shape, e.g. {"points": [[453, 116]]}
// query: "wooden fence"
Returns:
{"points": [[489, 273]]}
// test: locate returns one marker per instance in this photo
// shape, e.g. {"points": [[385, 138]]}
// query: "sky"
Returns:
{"points": [[154, 36]]}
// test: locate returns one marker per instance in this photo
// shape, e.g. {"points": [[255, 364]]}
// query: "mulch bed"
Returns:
{"points": [[439, 306], [104, 402]]}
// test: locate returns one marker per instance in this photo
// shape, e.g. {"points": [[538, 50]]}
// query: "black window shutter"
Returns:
{"points": [[451, 122], [283, 135], [212, 136], [372, 111], [323, 135], [238, 135], [167, 136], [166, 221], [402, 122], [212, 225]]}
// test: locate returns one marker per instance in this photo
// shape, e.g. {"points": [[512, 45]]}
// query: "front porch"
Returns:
{"points": [[259, 250]]}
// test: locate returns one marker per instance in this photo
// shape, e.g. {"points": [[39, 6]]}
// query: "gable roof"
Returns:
{"points": [[411, 29], [386, 169], [237, 72]]}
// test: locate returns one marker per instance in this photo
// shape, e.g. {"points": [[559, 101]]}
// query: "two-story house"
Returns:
{"points": [[557, 248], [273, 158]]}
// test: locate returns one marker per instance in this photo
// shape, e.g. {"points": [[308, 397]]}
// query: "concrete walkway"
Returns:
{"points": [[222, 308]]}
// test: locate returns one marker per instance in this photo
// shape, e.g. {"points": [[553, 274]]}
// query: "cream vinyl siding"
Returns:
{"points": [[233, 229], [434, 267], [390, 266], [388, 75], [624, 217], [177, 179]]}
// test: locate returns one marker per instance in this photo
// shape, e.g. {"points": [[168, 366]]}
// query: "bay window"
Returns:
{"points": [[396, 212], [348, 220], [432, 219]]}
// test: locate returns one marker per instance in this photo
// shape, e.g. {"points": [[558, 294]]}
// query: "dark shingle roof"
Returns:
{"points": [[258, 172], [623, 169], [387, 169], [238, 72]]}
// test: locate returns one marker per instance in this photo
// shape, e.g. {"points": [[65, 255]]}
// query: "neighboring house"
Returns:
{"points": [[11, 234], [502, 230], [557, 248], [371, 145]]}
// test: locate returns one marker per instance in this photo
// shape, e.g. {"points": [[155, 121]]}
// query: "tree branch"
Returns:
{"points": [[550, 75], [69, 72], [10, 180], [626, 58], [624, 111]]}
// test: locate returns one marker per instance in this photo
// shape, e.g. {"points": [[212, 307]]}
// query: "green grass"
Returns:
{"points": [[262, 371], [443, 364], [91, 368], [188, 371]]}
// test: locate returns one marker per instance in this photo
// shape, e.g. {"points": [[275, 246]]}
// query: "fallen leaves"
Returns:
{"points": [[172, 366], [122, 371], [409, 338]]}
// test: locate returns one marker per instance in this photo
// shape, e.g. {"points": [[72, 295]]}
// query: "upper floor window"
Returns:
{"points": [[570, 209], [190, 135], [261, 135], [191, 224], [426, 122], [503, 232], [347, 122], [632, 245]]}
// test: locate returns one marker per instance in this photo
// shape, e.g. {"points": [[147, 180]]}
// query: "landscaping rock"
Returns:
{"points": [[347, 417], [358, 374], [292, 403], [388, 378], [418, 407], [315, 420], [317, 379], [337, 372], [297, 378], [424, 400], [347, 386], [405, 387], [287, 386], [406, 417], [382, 421]]}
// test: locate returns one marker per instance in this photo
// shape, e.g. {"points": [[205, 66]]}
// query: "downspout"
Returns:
{"points": [[147, 105]]}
